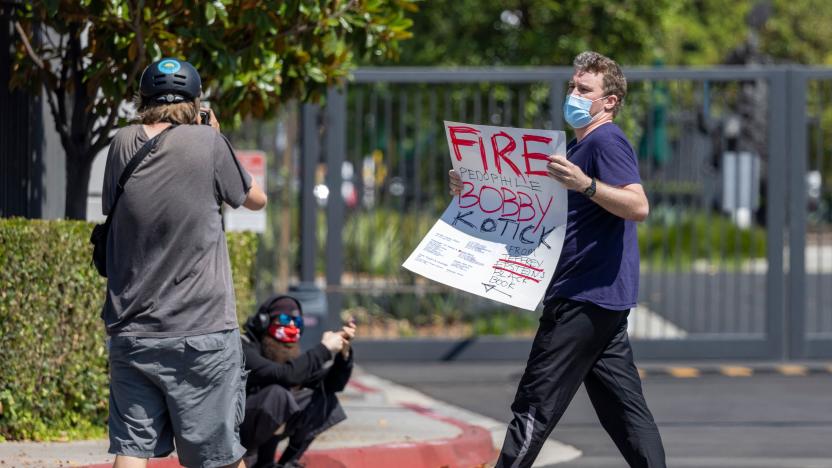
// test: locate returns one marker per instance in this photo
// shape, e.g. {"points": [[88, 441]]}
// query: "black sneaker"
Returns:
{"points": [[291, 464]]}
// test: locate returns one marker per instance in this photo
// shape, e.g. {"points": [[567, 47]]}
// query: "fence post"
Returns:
{"points": [[313, 300], [776, 324], [310, 152], [556, 97], [796, 305], [336, 146]]}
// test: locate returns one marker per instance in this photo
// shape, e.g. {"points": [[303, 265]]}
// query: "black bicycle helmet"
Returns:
{"points": [[170, 80]]}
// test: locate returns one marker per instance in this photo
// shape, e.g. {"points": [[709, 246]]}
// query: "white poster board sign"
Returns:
{"points": [[243, 219], [502, 236]]}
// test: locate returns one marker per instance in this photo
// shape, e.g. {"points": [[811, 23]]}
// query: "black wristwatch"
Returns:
{"points": [[590, 191]]}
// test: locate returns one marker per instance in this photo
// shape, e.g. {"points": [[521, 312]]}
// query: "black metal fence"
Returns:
{"points": [[21, 158], [736, 254], [734, 161]]}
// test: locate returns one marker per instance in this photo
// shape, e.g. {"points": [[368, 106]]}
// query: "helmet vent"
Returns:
{"points": [[170, 77]]}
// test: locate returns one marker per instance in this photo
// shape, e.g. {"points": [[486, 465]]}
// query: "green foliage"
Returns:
{"points": [[378, 241], [253, 55], [242, 251], [678, 32], [700, 32], [670, 238], [442, 312], [798, 31], [532, 32], [506, 322], [705, 32], [53, 380], [53, 362]]}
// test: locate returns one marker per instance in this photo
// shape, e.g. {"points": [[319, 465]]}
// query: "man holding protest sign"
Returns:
{"points": [[582, 335]]}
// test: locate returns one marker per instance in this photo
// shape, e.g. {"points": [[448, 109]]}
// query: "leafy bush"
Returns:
{"points": [[242, 251], [671, 237], [53, 362], [378, 241], [443, 312]]}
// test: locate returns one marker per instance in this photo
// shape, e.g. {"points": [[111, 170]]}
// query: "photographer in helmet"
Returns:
{"points": [[290, 394], [176, 364]]}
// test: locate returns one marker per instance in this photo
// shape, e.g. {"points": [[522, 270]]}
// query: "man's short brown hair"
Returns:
{"points": [[180, 113], [614, 82]]}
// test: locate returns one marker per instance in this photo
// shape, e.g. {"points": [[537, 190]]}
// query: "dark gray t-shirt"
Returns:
{"points": [[167, 260]]}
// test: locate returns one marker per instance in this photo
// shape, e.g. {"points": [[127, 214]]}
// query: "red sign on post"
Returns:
{"points": [[255, 163], [243, 219]]}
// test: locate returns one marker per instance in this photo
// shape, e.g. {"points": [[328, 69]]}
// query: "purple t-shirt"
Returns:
{"points": [[599, 261]]}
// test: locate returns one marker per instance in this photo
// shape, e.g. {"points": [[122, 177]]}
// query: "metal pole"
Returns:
{"points": [[796, 309], [310, 152], [556, 97], [312, 299], [776, 324], [336, 144]]}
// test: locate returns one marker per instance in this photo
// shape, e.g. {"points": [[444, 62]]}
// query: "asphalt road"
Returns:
{"points": [[766, 420]]}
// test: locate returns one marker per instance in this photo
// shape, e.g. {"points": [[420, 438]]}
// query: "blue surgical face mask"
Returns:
{"points": [[576, 111]]}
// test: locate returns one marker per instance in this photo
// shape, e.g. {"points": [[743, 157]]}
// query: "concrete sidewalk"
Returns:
{"points": [[387, 425]]}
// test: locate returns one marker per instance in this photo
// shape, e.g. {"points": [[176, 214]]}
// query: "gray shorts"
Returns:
{"points": [[190, 390]]}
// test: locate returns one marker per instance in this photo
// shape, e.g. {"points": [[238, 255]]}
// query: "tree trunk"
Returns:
{"points": [[78, 168]]}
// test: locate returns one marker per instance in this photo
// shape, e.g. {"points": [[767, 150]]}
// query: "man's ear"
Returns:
{"points": [[610, 102]]}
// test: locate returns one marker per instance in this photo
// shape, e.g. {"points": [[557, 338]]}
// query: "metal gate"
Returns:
{"points": [[809, 306], [724, 153]]}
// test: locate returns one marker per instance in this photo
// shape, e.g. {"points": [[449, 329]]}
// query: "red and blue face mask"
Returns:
{"points": [[286, 328]]}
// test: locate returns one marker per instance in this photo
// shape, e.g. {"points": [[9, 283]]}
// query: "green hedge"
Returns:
{"points": [[53, 364], [668, 239]]}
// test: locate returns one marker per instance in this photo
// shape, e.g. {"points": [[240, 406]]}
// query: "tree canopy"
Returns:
{"points": [[530, 32], [252, 55], [673, 32]]}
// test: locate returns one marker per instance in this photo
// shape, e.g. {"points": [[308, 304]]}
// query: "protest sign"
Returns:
{"points": [[502, 236]]}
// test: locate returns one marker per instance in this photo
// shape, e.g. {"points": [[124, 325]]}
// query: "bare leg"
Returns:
{"points": [[238, 464], [123, 461]]}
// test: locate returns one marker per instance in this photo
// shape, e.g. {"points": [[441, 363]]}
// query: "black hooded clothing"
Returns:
{"points": [[299, 393], [307, 370]]}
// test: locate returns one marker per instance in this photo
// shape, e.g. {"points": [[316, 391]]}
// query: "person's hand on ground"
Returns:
{"points": [[454, 182], [333, 341]]}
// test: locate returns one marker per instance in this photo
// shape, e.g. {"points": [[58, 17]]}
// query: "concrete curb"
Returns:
{"points": [[552, 453], [461, 439], [472, 446]]}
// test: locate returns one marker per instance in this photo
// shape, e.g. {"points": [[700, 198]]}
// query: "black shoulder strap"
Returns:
{"points": [[132, 165]]}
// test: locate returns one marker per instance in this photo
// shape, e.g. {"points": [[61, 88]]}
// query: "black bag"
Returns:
{"points": [[98, 238]]}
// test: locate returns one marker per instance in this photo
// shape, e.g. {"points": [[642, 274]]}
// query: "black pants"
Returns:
{"points": [[305, 413], [580, 342]]}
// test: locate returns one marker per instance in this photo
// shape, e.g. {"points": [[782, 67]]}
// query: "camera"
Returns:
{"points": [[205, 117]]}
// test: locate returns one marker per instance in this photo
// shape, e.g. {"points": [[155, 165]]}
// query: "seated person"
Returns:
{"points": [[290, 394]]}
